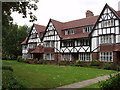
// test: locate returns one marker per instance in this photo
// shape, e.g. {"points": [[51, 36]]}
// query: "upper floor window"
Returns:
{"points": [[24, 46], [49, 44], [72, 43], [34, 35], [107, 39], [107, 23], [87, 29], [32, 46], [69, 32]]}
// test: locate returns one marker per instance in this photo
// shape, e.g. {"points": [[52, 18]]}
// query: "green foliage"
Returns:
{"points": [[33, 61], [24, 8], [95, 63], [77, 62], [9, 81], [7, 68], [65, 62], [113, 83], [11, 39], [20, 59], [82, 63]]}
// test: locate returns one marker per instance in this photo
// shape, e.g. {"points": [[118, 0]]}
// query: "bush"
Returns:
{"points": [[8, 79], [65, 63], [113, 83], [38, 61], [77, 62], [117, 67], [20, 59], [109, 66], [7, 68], [95, 63], [82, 63]]}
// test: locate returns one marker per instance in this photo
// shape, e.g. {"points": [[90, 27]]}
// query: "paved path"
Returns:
{"points": [[86, 82]]}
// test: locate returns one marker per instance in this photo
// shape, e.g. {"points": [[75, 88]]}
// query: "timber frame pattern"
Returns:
{"points": [[87, 39]]}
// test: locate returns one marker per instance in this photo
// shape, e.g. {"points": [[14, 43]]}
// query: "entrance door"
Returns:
{"points": [[37, 56]]}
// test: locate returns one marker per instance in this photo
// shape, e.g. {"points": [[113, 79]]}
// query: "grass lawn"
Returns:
{"points": [[96, 85], [51, 76]]}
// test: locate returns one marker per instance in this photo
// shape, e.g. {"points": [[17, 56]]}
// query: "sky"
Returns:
{"points": [[64, 10]]}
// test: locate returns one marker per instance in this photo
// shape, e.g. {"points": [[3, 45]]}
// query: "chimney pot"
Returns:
{"points": [[89, 13]]}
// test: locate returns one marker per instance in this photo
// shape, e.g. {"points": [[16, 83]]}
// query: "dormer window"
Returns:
{"points": [[70, 32], [87, 29]]}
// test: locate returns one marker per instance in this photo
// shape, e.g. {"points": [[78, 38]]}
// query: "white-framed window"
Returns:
{"points": [[106, 56], [49, 44], [24, 47], [33, 35], [107, 23], [69, 32], [66, 57], [107, 39], [24, 55], [32, 45], [30, 56], [49, 56], [84, 56], [87, 29]]}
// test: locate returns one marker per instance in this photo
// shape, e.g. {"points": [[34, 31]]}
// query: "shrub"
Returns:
{"points": [[117, 67], [82, 63], [65, 62], [108, 66], [95, 63], [7, 68], [8, 79], [112, 83], [20, 59]]}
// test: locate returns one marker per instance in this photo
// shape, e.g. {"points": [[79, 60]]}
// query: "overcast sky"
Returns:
{"points": [[65, 10]]}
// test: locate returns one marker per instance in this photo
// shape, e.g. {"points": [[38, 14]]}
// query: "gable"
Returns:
{"points": [[51, 33], [107, 18], [107, 14]]}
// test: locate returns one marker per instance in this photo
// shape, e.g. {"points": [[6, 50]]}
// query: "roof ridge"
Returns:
{"points": [[81, 19]]}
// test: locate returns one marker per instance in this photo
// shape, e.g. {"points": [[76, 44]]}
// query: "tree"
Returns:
{"points": [[11, 42], [12, 34], [20, 7]]}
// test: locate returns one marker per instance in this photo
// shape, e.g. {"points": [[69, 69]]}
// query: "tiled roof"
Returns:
{"points": [[59, 26], [40, 29], [72, 24], [81, 22], [74, 36], [118, 13], [39, 49]]}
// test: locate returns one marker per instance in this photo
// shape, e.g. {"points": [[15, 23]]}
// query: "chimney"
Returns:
{"points": [[89, 13], [119, 6]]}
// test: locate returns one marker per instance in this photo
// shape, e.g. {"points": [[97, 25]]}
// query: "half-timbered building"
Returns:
{"points": [[93, 37]]}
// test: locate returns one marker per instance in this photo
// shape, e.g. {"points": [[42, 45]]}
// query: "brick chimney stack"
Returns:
{"points": [[89, 13]]}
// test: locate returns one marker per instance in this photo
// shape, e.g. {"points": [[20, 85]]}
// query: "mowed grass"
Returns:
{"points": [[51, 76]]}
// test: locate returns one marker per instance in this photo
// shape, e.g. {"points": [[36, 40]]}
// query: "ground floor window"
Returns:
{"points": [[106, 56], [24, 55], [84, 56], [49, 56], [30, 56], [67, 57]]}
